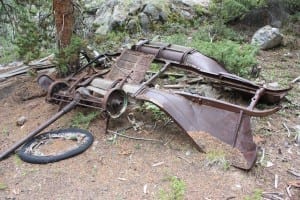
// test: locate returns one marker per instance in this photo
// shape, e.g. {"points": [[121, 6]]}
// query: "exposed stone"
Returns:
{"points": [[267, 37], [21, 121], [132, 25], [152, 11], [105, 16], [144, 22]]}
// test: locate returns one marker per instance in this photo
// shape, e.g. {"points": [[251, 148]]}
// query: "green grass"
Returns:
{"points": [[256, 195], [157, 113], [17, 160], [83, 121], [3, 186], [217, 158], [176, 190], [237, 57], [8, 51]]}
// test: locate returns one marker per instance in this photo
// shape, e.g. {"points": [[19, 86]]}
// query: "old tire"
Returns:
{"points": [[27, 154]]}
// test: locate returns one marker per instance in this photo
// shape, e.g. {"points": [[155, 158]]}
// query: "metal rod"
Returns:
{"points": [[237, 128], [63, 111], [164, 68], [256, 98]]}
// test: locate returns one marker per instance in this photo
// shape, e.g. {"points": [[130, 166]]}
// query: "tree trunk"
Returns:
{"points": [[64, 13]]}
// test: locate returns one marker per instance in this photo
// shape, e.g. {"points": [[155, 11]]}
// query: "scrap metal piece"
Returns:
{"points": [[129, 61], [192, 60], [208, 122], [209, 126]]}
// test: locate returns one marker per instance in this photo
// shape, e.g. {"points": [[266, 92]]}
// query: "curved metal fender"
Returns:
{"points": [[209, 127]]}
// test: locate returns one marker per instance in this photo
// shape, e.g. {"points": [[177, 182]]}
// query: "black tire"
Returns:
{"points": [[28, 156]]}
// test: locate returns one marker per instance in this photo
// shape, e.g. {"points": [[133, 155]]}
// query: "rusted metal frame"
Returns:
{"points": [[77, 80], [197, 120], [89, 79], [237, 128], [175, 53], [254, 101], [185, 54], [132, 89], [269, 95], [68, 98], [197, 62], [150, 80], [227, 106], [161, 48]]}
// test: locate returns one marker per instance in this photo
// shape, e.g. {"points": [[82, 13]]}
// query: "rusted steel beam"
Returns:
{"points": [[192, 60]]}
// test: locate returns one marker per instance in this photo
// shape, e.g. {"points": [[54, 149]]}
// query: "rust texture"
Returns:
{"points": [[208, 121]]}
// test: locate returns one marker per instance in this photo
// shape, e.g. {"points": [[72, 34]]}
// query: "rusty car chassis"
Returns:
{"points": [[208, 121]]}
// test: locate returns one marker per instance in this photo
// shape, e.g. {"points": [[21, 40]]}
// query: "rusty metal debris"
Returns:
{"points": [[208, 121]]}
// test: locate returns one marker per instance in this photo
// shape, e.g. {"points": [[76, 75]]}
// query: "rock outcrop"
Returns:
{"points": [[136, 15]]}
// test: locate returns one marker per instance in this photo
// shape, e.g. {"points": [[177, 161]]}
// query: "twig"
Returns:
{"points": [[287, 128], [183, 158], [276, 181], [262, 156], [288, 191], [169, 140], [134, 138], [296, 80], [294, 172], [158, 164]]}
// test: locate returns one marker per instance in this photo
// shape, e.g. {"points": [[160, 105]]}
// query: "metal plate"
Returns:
{"points": [[131, 61]]}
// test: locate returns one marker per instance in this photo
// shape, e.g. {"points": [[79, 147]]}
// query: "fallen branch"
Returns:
{"points": [[287, 128], [134, 138], [262, 156], [289, 191], [183, 158], [294, 172], [296, 80]]}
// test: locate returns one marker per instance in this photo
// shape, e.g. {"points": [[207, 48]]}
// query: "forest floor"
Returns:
{"points": [[131, 169]]}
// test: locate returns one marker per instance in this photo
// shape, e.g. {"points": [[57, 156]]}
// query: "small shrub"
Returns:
{"points": [[237, 58], [176, 192], [111, 41], [8, 51], [69, 54], [229, 10], [28, 40], [157, 113], [83, 121]]}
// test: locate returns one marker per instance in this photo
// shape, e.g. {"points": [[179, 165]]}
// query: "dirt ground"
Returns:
{"points": [[137, 169]]}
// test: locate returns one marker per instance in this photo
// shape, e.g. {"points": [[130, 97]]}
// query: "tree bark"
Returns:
{"points": [[64, 15], [64, 21]]}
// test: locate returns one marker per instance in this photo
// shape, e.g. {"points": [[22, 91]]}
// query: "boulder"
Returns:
{"points": [[267, 37]]}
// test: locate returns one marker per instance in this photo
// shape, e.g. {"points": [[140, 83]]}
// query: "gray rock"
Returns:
{"points": [[144, 22], [115, 14], [152, 11], [132, 25], [267, 37], [21, 121]]}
